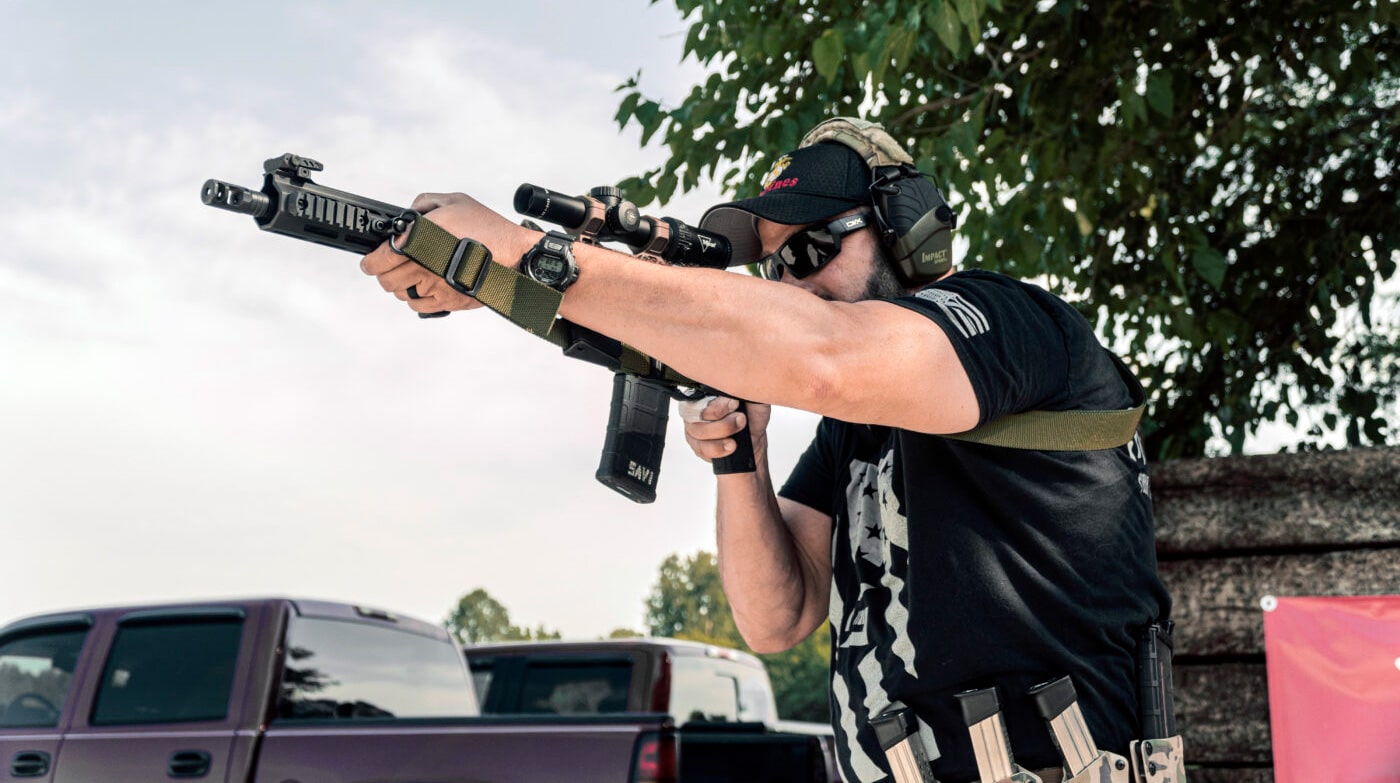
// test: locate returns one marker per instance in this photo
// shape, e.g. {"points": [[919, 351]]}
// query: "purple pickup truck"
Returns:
{"points": [[292, 691]]}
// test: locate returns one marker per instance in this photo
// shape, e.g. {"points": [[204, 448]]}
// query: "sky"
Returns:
{"points": [[192, 408]]}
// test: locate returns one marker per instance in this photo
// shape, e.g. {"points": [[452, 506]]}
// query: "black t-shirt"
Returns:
{"points": [[958, 565]]}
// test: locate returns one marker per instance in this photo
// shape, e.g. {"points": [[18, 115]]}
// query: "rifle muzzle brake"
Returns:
{"points": [[236, 198]]}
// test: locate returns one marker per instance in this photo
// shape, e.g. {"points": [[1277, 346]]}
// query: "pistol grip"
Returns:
{"points": [[741, 461]]}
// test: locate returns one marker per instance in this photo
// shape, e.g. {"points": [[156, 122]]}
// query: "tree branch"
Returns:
{"points": [[946, 103]]}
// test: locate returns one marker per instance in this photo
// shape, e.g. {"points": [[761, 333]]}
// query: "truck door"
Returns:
{"points": [[37, 662], [162, 707]]}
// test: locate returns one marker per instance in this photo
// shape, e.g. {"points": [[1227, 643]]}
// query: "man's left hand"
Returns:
{"points": [[462, 216]]}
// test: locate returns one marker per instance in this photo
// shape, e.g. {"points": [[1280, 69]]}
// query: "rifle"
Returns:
{"points": [[291, 204]]}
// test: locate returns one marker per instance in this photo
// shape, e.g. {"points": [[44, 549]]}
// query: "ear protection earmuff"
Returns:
{"points": [[913, 220]]}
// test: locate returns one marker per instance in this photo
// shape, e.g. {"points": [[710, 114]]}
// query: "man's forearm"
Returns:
{"points": [[777, 343], [717, 327], [777, 577]]}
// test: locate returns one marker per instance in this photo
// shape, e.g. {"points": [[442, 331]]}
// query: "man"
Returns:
{"points": [[942, 565]]}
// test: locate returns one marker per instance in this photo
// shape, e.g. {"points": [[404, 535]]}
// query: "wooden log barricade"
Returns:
{"points": [[1232, 530]]}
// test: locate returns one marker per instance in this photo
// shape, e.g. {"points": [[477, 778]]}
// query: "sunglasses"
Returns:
{"points": [[809, 250]]}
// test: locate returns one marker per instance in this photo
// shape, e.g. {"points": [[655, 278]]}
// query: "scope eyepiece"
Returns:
{"points": [[537, 202]]}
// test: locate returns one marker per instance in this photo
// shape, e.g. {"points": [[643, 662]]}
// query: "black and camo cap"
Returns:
{"points": [[804, 186]]}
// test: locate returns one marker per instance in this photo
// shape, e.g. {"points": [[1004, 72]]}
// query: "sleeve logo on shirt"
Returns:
{"points": [[968, 319]]}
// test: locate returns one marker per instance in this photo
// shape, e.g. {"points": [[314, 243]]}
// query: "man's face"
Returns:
{"points": [[857, 273]]}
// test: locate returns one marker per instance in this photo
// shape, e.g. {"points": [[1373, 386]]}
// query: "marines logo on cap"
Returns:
{"points": [[779, 166]]}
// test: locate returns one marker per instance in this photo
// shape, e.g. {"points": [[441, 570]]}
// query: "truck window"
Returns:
{"points": [[169, 672], [481, 681], [568, 688], [342, 670], [710, 689], [35, 672]]}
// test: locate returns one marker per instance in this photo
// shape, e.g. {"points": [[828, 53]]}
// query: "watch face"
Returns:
{"points": [[550, 270], [551, 262]]}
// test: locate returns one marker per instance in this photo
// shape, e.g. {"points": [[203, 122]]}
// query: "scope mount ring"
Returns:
{"points": [[403, 224]]}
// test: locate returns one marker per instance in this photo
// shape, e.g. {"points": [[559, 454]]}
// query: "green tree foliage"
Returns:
{"points": [[478, 617], [1212, 184], [801, 678], [688, 602]]}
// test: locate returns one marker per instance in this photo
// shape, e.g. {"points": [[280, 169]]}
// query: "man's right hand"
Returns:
{"points": [[774, 553], [712, 422]]}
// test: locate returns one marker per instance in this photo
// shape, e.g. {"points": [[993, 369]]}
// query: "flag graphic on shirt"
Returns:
{"points": [[969, 321], [877, 535]]}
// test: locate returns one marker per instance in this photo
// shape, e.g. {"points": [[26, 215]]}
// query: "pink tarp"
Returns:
{"points": [[1334, 688]]}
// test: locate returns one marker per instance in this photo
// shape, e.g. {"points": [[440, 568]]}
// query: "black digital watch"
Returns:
{"points": [[551, 261]]}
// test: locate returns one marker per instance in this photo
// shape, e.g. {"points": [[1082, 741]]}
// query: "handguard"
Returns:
{"points": [[292, 205]]}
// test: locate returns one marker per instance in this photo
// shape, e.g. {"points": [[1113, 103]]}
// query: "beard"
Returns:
{"points": [[882, 283]]}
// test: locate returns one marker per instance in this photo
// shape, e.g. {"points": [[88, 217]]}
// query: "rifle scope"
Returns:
{"points": [[670, 239]]}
